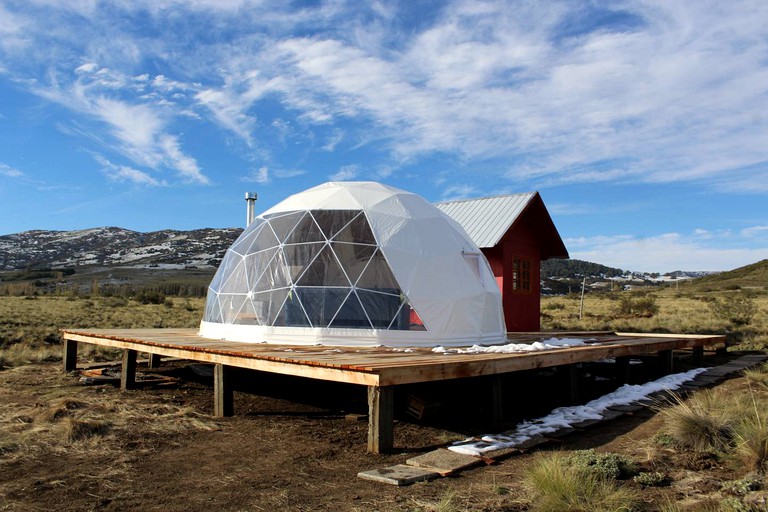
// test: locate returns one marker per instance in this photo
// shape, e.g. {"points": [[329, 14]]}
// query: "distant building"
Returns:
{"points": [[515, 233]]}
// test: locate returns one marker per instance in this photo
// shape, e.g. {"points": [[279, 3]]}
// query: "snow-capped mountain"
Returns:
{"points": [[108, 246]]}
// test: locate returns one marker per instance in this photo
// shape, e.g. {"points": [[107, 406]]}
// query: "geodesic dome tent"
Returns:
{"points": [[354, 263]]}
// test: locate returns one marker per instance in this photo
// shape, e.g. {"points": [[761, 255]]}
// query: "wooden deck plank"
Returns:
{"points": [[381, 366]]}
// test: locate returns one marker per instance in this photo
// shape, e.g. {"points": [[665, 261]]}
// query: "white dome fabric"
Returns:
{"points": [[358, 264]]}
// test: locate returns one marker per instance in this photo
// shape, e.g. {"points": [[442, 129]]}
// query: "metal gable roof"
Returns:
{"points": [[487, 219]]}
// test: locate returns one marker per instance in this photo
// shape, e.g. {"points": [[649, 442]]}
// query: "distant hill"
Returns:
{"points": [[749, 276], [110, 246], [568, 268]]}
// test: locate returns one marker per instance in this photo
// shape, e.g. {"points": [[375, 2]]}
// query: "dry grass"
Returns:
{"points": [[556, 486], [83, 420], [676, 313], [758, 376], [702, 423], [29, 327]]}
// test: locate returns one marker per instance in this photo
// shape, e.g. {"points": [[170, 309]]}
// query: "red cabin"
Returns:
{"points": [[515, 233]]}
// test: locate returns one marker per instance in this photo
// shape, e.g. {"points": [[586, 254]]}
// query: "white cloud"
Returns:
{"points": [[664, 93], [140, 129], [458, 191], [755, 231], [260, 175], [10, 172], [288, 173], [663, 253], [123, 173], [346, 173]]}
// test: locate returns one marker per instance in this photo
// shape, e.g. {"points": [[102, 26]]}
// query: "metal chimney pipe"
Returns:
{"points": [[250, 199]]}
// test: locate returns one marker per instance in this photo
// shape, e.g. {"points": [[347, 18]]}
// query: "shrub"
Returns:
{"points": [[639, 307], [150, 297], [744, 486], [610, 466], [651, 479], [736, 309], [555, 486]]}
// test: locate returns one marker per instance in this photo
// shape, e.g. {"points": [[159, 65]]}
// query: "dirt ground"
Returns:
{"points": [[69, 446]]}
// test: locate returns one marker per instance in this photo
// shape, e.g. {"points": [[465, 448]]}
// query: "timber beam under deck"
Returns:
{"points": [[378, 368]]}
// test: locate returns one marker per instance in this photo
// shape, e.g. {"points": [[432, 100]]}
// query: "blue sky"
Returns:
{"points": [[643, 124]]}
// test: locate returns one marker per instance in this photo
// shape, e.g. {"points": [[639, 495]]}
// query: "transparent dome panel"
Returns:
{"points": [[378, 276], [245, 240], [283, 224], [380, 307], [257, 264], [358, 231], [322, 304], [332, 221], [298, 257], [306, 230], [353, 258], [351, 314], [324, 270], [292, 313], [264, 240]]}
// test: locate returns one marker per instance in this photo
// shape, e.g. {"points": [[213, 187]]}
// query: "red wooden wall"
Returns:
{"points": [[533, 236]]}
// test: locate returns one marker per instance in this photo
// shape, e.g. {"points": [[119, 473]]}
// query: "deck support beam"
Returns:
{"points": [[128, 372], [223, 395], [381, 410], [698, 354], [154, 361], [497, 398], [622, 370], [572, 376], [665, 362], [70, 355]]}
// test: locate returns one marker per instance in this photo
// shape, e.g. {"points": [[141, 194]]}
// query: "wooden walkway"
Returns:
{"points": [[380, 368]]}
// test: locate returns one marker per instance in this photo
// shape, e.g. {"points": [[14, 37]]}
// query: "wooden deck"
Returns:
{"points": [[380, 368]]}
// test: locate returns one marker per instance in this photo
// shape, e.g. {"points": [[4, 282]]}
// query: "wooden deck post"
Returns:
{"points": [[381, 410], [128, 372], [70, 355], [665, 362], [497, 398], [622, 370], [573, 383], [698, 354], [154, 360], [223, 395]]}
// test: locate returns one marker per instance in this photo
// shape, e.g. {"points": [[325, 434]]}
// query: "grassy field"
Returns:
{"points": [[29, 326], [705, 454], [741, 315]]}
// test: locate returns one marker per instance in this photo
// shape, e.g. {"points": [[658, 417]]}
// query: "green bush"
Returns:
{"points": [[637, 307], [610, 466], [651, 479], [737, 309], [150, 297]]}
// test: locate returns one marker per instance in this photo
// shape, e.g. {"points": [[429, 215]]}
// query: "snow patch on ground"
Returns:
{"points": [[564, 417], [512, 348]]}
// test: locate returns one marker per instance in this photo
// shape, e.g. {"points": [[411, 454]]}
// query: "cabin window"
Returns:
{"points": [[521, 275]]}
